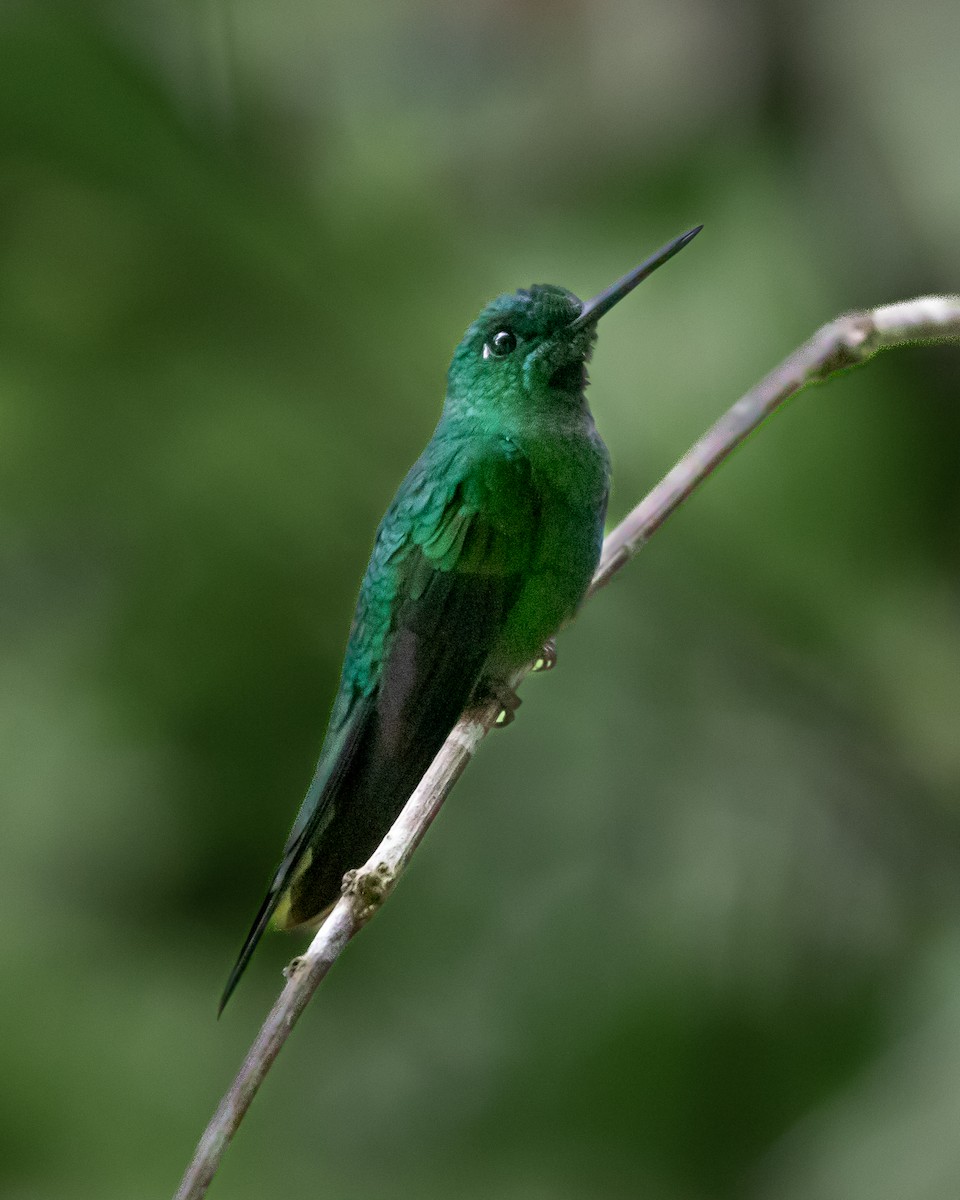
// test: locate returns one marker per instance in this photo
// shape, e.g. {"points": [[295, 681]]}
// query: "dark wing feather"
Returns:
{"points": [[453, 573], [340, 748]]}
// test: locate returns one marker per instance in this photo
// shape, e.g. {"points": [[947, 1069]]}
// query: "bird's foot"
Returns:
{"points": [[547, 658], [499, 692], [509, 702]]}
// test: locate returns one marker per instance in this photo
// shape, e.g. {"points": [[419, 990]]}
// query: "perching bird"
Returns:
{"points": [[487, 549]]}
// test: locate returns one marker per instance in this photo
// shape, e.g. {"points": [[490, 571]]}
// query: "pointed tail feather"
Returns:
{"points": [[317, 810], [262, 919]]}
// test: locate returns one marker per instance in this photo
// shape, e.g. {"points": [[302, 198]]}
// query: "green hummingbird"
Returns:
{"points": [[487, 549]]}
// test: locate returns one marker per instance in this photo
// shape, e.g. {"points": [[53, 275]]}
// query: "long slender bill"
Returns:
{"points": [[594, 309]]}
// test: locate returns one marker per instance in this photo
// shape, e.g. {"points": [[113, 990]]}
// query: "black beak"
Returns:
{"points": [[594, 309]]}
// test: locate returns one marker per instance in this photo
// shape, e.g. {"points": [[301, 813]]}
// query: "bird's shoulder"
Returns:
{"points": [[461, 480]]}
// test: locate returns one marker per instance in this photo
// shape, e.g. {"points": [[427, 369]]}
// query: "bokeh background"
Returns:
{"points": [[690, 929]]}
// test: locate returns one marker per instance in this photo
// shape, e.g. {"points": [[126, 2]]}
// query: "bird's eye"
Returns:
{"points": [[500, 345]]}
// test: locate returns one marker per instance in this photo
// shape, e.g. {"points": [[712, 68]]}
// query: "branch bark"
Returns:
{"points": [[845, 342]]}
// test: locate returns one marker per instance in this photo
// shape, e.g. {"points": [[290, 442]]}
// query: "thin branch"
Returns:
{"points": [[843, 343]]}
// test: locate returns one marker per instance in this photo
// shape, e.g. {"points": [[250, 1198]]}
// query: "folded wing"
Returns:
{"points": [[447, 566]]}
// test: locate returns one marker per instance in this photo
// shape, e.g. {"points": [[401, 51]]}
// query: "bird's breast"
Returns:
{"points": [[571, 473]]}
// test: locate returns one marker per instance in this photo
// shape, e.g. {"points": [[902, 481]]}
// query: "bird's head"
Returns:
{"points": [[532, 346]]}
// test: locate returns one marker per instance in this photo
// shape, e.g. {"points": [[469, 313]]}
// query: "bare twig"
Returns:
{"points": [[845, 342]]}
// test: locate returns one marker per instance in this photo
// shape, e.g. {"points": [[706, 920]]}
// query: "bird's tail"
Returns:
{"points": [[257, 929], [318, 808], [284, 879]]}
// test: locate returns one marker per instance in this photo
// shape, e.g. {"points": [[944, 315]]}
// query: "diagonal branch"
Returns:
{"points": [[845, 342]]}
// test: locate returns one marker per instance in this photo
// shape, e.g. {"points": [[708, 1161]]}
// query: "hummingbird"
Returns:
{"points": [[487, 549]]}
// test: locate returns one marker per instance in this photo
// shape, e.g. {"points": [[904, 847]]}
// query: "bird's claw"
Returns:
{"points": [[547, 658], [509, 702]]}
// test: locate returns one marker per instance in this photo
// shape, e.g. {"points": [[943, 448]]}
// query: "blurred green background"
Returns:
{"points": [[691, 928]]}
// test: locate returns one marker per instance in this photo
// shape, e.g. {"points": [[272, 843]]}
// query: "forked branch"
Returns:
{"points": [[845, 342]]}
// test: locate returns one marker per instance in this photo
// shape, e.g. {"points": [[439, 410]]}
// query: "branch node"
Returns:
{"points": [[368, 888], [855, 339], [293, 967]]}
